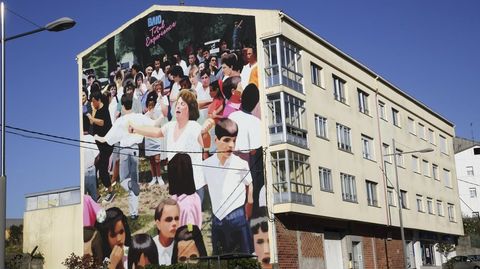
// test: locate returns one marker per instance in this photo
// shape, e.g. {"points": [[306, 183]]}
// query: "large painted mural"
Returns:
{"points": [[173, 167]]}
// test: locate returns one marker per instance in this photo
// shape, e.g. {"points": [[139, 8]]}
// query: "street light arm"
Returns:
{"points": [[25, 34], [54, 26]]}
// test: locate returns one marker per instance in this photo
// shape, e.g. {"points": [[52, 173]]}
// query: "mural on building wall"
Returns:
{"points": [[174, 168]]}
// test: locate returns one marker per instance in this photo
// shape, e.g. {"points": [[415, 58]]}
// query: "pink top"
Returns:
{"points": [[230, 107], [190, 209], [90, 209]]}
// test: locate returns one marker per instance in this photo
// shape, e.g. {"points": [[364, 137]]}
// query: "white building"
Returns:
{"points": [[468, 175]]}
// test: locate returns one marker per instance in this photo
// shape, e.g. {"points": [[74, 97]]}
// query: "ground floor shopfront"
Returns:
{"points": [[307, 242]]}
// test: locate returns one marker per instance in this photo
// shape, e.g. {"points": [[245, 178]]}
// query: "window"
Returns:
{"points": [[420, 203], [372, 193], [451, 212], [321, 126], [421, 131], [431, 136], [415, 166], [363, 102], [381, 110], [367, 147], [446, 178], [349, 189], [443, 144], [403, 199], [287, 119], [440, 208], [473, 192], [344, 138], [435, 171], [316, 74], [325, 179], [411, 125], [430, 206], [386, 151], [470, 171], [390, 196], [426, 168], [283, 64], [292, 179], [399, 156], [396, 117], [339, 89]]}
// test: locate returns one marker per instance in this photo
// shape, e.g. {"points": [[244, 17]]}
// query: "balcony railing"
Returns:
{"points": [[295, 135], [282, 195]]}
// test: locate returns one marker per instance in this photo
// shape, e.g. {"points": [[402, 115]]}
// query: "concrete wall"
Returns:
{"points": [[56, 231]]}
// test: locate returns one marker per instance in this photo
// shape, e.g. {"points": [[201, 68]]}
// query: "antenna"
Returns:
{"points": [[473, 135]]}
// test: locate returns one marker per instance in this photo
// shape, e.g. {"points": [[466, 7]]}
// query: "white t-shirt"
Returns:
{"points": [[248, 136], [187, 142], [164, 253], [245, 74], [226, 186], [89, 153], [158, 75], [119, 131], [202, 96]]}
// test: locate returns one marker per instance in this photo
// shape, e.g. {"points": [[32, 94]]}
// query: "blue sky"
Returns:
{"points": [[427, 48]]}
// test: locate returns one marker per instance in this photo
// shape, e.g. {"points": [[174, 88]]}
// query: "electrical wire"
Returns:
{"points": [[22, 17]]}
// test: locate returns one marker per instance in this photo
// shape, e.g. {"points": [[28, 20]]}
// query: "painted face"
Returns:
{"points": [[227, 71], [213, 62], [194, 78], [181, 109], [149, 70], [142, 262], [113, 91], [117, 236], [96, 103], [191, 59], [139, 82], [201, 66], [225, 145], [262, 248], [168, 223], [84, 97], [187, 252], [206, 54], [250, 55], [157, 65], [205, 80], [159, 89]]}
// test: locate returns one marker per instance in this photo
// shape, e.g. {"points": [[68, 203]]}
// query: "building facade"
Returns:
{"points": [[468, 175], [331, 128]]}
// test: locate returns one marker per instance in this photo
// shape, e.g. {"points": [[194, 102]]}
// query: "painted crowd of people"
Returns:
{"points": [[201, 117]]}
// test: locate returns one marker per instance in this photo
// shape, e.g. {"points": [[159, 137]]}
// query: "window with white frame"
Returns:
{"points": [[404, 199], [363, 102], [411, 126], [325, 179], [396, 117], [339, 89], [316, 74], [292, 178], [451, 212], [420, 203], [446, 178], [367, 147], [473, 192], [287, 119], [399, 156], [443, 144], [385, 152], [349, 188], [283, 64], [321, 126], [371, 193], [421, 131], [344, 140], [440, 208], [390, 196], [430, 206], [470, 171], [382, 112], [431, 136], [426, 168], [415, 166], [435, 172]]}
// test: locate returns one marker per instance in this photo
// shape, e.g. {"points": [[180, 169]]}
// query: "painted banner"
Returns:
{"points": [[173, 160]]}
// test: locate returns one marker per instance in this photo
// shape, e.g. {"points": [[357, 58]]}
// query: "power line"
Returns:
{"points": [[22, 17]]}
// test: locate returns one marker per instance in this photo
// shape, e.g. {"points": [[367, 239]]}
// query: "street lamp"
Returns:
{"points": [[400, 205], [55, 26]]}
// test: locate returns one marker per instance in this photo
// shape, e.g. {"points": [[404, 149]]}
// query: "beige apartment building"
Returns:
{"points": [[329, 126]]}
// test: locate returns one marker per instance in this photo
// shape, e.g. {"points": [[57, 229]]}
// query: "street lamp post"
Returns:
{"points": [[55, 26], [399, 195]]}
